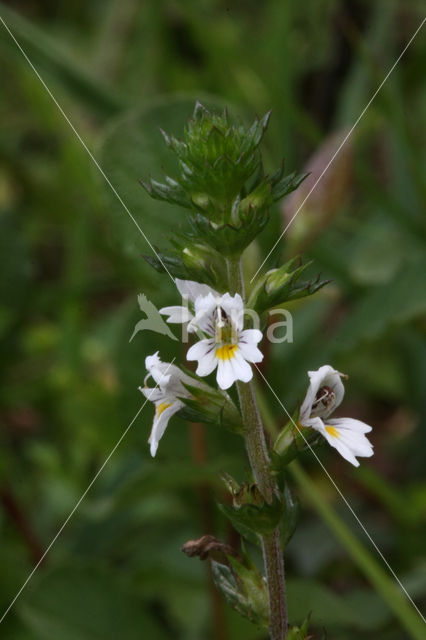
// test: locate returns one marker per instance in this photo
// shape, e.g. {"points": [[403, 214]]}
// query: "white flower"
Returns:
{"points": [[324, 394], [165, 395], [229, 347], [189, 291]]}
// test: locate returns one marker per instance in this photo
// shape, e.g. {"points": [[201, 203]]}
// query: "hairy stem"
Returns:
{"points": [[260, 464]]}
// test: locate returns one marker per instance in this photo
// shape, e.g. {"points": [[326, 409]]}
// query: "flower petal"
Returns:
{"points": [[152, 361], [352, 424], [225, 374], [161, 420], [242, 369], [343, 449], [234, 309], [247, 341], [153, 395], [192, 290], [347, 442], [251, 336], [354, 439], [204, 314], [177, 315], [204, 352], [324, 376], [167, 376]]}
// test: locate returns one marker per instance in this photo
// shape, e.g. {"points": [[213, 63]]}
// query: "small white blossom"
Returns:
{"points": [[325, 393], [228, 347], [166, 395], [189, 291]]}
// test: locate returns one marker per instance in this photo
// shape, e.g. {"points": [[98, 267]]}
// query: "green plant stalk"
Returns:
{"points": [[260, 464], [385, 586]]}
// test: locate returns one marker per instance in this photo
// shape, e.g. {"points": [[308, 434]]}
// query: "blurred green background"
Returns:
{"points": [[72, 267]]}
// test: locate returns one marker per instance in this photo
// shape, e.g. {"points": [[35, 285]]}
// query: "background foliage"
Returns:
{"points": [[72, 268]]}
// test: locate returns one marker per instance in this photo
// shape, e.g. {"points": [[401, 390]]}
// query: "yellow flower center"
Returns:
{"points": [[162, 407], [332, 431], [226, 352]]}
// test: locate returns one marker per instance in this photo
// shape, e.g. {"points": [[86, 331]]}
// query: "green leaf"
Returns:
{"points": [[262, 520], [244, 589], [290, 517], [87, 603]]}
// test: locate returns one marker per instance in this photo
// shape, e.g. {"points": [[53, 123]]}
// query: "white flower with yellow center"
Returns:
{"points": [[324, 394], [165, 395], [228, 347]]}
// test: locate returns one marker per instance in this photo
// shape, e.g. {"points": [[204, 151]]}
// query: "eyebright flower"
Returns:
{"points": [[189, 291], [165, 395], [229, 347], [325, 393]]}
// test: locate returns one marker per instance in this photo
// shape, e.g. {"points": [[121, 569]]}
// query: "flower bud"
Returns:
{"points": [[213, 406], [216, 159], [192, 260], [244, 588], [301, 633], [292, 441], [281, 285]]}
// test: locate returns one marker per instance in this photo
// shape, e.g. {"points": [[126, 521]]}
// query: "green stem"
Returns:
{"points": [[387, 588], [260, 464]]}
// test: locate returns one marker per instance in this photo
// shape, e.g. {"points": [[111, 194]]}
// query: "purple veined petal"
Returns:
{"points": [[204, 352], [204, 314], [250, 352], [251, 336]]}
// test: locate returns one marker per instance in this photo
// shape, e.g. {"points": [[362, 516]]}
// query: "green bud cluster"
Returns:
{"points": [[222, 184], [215, 158]]}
